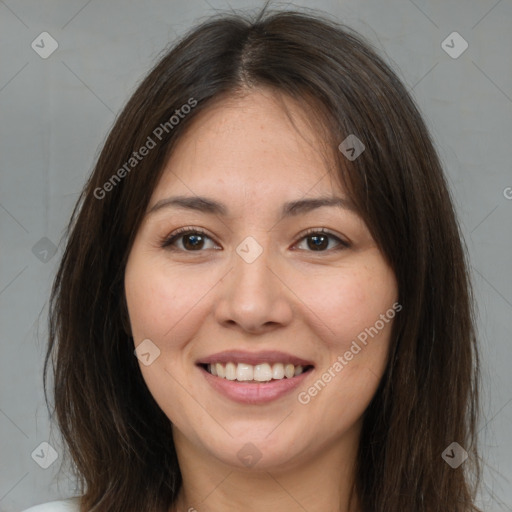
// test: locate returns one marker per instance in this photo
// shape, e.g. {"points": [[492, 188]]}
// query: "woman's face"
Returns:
{"points": [[254, 292]]}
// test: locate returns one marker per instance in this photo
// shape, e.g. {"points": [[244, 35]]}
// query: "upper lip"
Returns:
{"points": [[254, 358]]}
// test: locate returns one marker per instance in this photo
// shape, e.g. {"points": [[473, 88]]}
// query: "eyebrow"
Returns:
{"points": [[213, 207]]}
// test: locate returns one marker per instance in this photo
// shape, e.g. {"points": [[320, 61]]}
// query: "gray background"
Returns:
{"points": [[55, 114]]}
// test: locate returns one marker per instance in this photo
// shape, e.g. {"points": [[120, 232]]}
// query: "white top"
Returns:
{"points": [[69, 505]]}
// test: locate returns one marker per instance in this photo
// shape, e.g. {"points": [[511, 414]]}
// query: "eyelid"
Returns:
{"points": [[168, 240], [323, 231]]}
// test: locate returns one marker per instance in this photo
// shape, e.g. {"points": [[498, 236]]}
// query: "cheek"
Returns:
{"points": [[164, 307], [162, 302], [345, 303], [356, 339], [151, 303]]}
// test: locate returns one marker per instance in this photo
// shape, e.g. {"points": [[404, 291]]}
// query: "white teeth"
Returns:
{"points": [[231, 371], [277, 371], [220, 369], [244, 372], [264, 372]]}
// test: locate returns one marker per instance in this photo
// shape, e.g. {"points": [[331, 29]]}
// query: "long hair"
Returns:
{"points": [[119, 440]]}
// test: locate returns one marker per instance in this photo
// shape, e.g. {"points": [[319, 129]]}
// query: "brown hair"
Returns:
{"points": [[119, 440]]}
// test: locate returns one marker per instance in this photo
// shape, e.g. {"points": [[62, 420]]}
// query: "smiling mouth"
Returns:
{"points": [[247, 373]]}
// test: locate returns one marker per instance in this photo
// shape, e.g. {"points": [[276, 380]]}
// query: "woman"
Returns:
{"points": [[264, 300]]}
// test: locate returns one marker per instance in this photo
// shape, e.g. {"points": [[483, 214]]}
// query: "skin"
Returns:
{"points": [[245, 153]]}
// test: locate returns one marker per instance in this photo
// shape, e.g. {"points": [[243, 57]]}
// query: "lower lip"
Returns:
{"points": [[252, 392]]}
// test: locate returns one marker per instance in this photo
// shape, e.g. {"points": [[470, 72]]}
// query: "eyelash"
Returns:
{"points": [[167, 242]]}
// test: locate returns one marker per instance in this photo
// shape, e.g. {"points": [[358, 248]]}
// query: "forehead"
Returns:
{"points": [[259, 144]]}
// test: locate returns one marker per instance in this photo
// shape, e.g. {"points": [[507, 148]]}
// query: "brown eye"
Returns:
{"points": [[191, 240], [318, 241]]}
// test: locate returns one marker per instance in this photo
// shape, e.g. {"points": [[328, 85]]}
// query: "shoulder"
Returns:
{"points": [[69, 505]]}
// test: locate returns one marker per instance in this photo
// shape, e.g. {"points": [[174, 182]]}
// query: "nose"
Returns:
{"points": [[254, 296]]}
